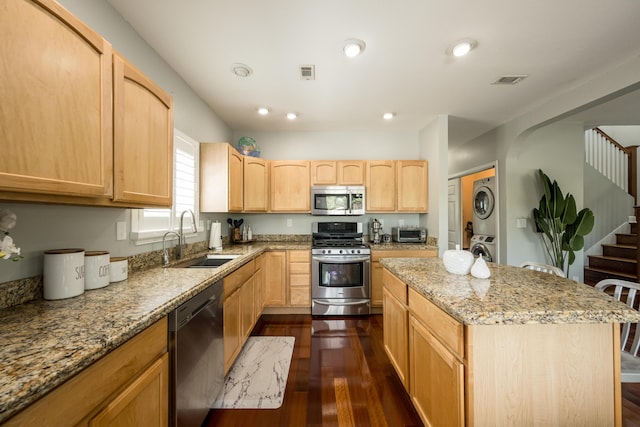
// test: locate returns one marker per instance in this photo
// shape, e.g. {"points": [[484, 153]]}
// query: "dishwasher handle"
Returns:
{"points": [[187, 311]]}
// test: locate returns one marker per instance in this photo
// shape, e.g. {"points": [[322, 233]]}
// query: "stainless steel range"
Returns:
{"points": [[340, 266]]}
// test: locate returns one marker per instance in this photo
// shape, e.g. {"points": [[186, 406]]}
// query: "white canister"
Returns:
{"points": [[96, 269], [119, 269], [63, 274]]}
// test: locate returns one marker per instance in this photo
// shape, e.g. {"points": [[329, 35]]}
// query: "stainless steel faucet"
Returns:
{"points": [[181, 240]]}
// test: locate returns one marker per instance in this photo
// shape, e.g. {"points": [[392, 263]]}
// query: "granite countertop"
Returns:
{"points": [[395, 246], [512, 295], [43, 343]]}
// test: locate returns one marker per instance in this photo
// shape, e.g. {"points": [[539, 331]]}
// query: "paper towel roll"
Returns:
{"points": [[215, 239]]}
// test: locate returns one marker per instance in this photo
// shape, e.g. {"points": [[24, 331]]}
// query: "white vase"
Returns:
{"points": [[457, 261], [480, 269]]}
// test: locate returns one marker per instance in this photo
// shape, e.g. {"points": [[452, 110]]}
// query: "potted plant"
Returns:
{"points": [[561, 227]]}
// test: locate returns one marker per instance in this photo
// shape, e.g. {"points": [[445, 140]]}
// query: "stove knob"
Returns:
{"points": [[341, 251]]}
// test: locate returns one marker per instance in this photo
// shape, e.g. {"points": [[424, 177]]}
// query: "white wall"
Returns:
{"points": [[433, 147], [40, 227], [558, 150]]}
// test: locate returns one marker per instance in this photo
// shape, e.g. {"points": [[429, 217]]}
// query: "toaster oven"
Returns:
{"points": [[409, 234]]}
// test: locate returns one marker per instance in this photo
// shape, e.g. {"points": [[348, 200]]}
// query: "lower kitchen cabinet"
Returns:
{"points": [[275, 279], [376, 267], [127, 387], [395, 331], [437, 379], [299, 278], [239, 310]]}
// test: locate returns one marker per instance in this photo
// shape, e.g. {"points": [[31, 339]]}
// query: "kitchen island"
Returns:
{"points": [[519, 348]]}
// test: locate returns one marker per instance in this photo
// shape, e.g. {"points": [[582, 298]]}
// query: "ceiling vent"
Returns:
{"points": [[509, 80], [307, 72]]}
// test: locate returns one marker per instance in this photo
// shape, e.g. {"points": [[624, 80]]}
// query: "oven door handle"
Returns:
{"points": [[325, 302], [340, 258]]}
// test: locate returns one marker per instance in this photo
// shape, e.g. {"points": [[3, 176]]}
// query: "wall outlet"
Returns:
{"points": [[289, 222], [401, 223], [121, 230]]}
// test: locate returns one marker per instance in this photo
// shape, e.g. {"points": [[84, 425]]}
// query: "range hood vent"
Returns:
{"points": [[307, 72], [510, 79]]}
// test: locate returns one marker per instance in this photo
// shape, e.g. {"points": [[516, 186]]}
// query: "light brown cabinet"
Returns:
{"points": [[143, 138], [56, 84], [411, 178], [337, 172], [299, 278], [376, 267], [221, 178], [396, 326], [127, 387], [255, 184], [97, 133], [275, 290], [397, 185], [239, 310], [290, 186], [381, 186]]}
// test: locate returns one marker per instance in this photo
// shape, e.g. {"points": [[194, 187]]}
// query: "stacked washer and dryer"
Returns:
{"points": [[485, 224]]}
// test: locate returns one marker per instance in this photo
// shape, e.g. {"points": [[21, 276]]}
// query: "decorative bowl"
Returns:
{"points": [[457, 261]]}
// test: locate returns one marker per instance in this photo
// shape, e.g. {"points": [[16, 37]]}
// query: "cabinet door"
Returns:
{"points": [[395, 329], [275, 278], [437, 379], [231, 328], [351, 172], [381, 185], [412, 185], [247, 308], [258, 290], [236, 180], [290, 189], [143, 402], [323, 172], [55, 114], [256, 184], [143, 138], [299, 278]]}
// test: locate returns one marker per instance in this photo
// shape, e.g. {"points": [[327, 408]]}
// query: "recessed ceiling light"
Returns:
{"points": [[292, 116], [353, 47], [388, 116], [241, 70], [462, 47], [263, 111]]}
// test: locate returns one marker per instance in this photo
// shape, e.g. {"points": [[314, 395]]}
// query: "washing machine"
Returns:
{"points": [[484, 207], [485, 246]]}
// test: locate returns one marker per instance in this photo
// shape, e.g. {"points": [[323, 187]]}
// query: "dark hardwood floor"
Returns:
{"points": [[341, 376]]}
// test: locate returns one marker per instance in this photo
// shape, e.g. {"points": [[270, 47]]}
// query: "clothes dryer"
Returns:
{"points": [[484, 207], [485, 246]]}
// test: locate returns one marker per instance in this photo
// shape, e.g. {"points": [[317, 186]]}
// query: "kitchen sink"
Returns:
{"points": [[209, 261]]}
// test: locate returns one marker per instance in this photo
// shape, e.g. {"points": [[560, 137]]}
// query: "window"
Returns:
{"points": [[149, 225]]}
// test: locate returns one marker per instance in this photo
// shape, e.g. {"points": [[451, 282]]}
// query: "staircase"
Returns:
{"points": [[618, 261]]}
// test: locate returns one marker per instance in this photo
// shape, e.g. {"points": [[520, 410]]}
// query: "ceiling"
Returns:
{"points": [[405, 67]]}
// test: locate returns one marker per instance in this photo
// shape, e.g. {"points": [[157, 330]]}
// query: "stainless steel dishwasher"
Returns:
{"points": [[196, 356]]}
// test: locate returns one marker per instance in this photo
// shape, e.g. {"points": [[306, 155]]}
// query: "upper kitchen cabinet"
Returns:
{"points": [[412, 185], [340, 172], [143, 138], [221, 178], [256, 184], [55, 114], [290, 186], [381, 186]]}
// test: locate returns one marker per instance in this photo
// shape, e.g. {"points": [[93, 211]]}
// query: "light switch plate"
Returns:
{"points": [[121, 230], [521, 222]]}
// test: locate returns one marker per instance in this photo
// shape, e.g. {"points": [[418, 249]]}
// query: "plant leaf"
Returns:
{"points": [[584, 222]]}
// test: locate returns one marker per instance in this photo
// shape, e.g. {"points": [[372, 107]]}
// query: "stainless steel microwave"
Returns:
{"points": [[337, 200]]}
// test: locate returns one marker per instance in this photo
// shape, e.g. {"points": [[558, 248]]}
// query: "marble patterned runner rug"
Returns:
{"points": [[258, 377]]}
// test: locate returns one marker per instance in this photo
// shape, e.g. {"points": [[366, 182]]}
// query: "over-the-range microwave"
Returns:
{"points": [[337, 200]]}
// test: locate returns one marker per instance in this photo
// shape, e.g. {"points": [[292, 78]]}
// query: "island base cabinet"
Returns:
{"points": [[395, 329], [437, 379], [543, 375]]}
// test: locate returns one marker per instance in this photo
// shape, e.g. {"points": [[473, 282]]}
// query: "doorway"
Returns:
{"points": [[461, 200]]}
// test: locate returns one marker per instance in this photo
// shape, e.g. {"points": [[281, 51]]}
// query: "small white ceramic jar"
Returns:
{"points": [[119, 269], [63, 273], [96, 269]]}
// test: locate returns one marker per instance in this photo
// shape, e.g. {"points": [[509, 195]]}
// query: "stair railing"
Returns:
{"points": [[611, 159]]}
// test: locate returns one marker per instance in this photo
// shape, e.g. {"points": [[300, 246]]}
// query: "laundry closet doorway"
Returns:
{"points": [[473, 211]]}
